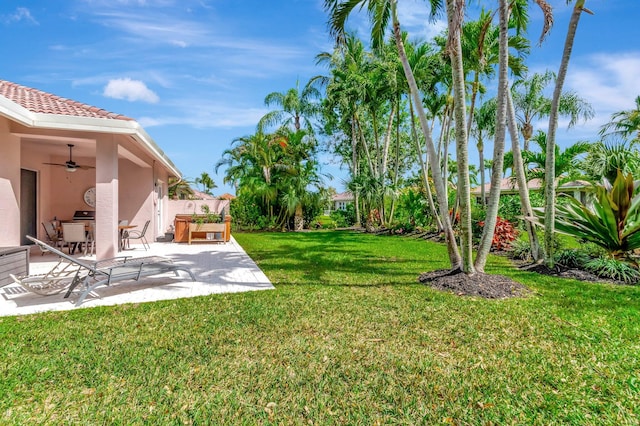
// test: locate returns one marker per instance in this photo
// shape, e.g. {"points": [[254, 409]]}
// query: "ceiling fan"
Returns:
{"points": [[71, 165]]}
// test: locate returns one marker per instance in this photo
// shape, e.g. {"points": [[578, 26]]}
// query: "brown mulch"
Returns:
{"points": [[478, 284]]}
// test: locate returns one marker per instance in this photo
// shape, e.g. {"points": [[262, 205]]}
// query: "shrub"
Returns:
{"points": [[572, 258], [607, 267], [503, 235], [521, 249]]}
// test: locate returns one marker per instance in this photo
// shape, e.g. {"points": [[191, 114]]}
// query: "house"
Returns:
{"points": [[59, 156], [340, 201], [509, 186]]}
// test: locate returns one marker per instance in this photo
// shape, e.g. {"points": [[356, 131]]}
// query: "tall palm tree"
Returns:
{"points": [[499, 140], [380, 12], [296, 108], [455, 14], [550, 189]]}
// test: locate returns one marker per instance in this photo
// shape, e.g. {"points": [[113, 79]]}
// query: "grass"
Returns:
{"points": [[348, 337]]}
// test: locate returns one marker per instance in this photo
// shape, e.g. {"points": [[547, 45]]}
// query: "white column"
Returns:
{"points": [[107, 234]]}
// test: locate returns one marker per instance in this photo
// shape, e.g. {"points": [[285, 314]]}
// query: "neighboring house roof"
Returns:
{"points": [[227, 196], [200, 195], [510, 186], [343, 196], [37, 109]]}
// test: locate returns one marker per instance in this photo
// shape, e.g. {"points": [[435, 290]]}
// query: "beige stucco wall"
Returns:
{"points": [[9, 186]]}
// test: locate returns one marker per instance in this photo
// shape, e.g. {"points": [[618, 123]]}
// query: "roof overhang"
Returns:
{"points": [[21, 115]]}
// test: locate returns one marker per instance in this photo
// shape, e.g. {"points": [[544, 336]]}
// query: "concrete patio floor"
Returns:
{"points": [[218, 268]]}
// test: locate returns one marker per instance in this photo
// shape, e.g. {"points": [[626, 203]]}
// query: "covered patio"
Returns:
{"points": [[59, 156], [218, 268]]}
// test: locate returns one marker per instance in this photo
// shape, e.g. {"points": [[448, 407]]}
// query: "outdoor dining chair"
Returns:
{"points": [[52, 234], [139, 235], [74, 234]]}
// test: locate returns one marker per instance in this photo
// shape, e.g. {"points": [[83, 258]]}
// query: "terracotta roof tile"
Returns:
{"points": [[38, 101]]}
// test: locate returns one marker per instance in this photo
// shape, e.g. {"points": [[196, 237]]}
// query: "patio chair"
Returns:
{"points": [[73, 234], [139, 235], [89, 276], [52, 235]]}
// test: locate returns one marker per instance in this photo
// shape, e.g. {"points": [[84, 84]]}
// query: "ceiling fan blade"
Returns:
{"points": [[84, 167], [55, 164]]}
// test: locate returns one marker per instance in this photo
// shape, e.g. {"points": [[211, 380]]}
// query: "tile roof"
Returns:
{"points": [[38, 101]]}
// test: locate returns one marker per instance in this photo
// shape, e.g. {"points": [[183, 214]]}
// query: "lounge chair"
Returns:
{"points": [[89, 276], [57, 279]]}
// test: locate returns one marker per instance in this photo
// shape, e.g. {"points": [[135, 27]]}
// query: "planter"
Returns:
{"points": [[207, 232]]}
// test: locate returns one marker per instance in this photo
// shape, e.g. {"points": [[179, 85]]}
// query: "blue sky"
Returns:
{"points": [[195, 73]]}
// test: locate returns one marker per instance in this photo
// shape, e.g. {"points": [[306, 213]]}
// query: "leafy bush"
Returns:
{"points": [[344, 218], [521, 249], [503, 235], [572, 258], [607, 267], [509, 207]]}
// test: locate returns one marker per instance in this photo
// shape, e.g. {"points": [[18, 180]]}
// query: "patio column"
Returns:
{"points": [[9, 187], [107, 235]]}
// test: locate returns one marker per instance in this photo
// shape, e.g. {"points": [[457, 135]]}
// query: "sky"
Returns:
{"points": [[194, 73]]}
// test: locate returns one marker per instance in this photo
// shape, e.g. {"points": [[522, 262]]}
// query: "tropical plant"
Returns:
{"points": [[179, 189], [605, 158], [624, 123], [613, 269], [610, 218], [205, 182], [296, 108]]}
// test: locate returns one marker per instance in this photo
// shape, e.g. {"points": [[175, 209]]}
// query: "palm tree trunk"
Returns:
{"points": [[454, 254], [482, 170], [498, 145], [454, 17], [550, 188], [355, 169], [518, 171], [425, 168]]}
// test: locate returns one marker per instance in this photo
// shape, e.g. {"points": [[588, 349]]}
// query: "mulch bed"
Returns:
{"points": [[478, 284]]}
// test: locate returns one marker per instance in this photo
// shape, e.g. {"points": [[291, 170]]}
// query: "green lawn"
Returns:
{"points": [[347, 337]]}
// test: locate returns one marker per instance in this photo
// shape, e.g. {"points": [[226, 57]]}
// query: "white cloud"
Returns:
{"points": [[21, 14], [131, 90], [608, 81]]}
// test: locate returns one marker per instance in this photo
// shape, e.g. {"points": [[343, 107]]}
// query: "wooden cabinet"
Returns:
{"points": [[207, 232]]}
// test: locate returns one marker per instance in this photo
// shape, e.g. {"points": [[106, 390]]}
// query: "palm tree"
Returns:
{"points": [[206, 183], [483, 126], [499, 140], [179, 189], [605, 159], [296, 108], [550, 190], [567, 161], [624, 123], [531, 104], [380, 12]]}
